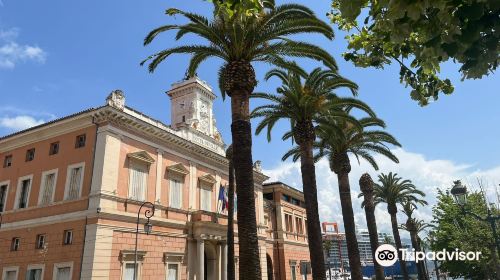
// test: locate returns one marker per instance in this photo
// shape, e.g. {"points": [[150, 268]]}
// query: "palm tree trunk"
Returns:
{"points": [[371, 223], [420, 264], [349, 225], [399, 246], [314, 237], [230, 225], [436, 269], [243, 165]]}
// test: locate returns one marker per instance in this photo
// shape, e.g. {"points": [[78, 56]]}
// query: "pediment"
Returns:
{"points": [[141, 156], [178, 169], [208, 179]]}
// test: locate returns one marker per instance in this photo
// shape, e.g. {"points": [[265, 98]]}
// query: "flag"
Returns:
{"points": [[225, 202], [222, 200]]}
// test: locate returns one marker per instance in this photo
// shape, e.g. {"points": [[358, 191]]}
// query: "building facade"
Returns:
{"points": [[71, 190]]}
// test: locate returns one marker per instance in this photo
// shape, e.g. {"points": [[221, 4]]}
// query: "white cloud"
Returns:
{"points": [[19, 122], [12, 52], [428, 175]]}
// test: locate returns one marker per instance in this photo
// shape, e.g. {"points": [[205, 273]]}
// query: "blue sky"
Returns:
{"points": [[58, 57]]}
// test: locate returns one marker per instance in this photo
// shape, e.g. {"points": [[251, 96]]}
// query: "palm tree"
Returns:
{"points": [[240, 41], [230, 216], [366, 186], [393, 190], [414, 226], [338, 139], [303, 99]]}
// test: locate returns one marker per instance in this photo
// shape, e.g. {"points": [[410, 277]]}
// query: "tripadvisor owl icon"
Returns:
{"points": [[386, 255]]}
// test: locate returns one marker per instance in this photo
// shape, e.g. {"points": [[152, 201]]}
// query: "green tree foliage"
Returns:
{"points": [[420, 35], [455, 230]]}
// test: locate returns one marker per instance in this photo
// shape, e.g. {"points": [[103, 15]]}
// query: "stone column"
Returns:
{"points": [[218, 262], [201, 258], [224, 261], [159, 169]]}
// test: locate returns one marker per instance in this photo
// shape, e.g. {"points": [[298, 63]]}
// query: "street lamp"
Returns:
{"points": [[459, 192], [148, 227]]}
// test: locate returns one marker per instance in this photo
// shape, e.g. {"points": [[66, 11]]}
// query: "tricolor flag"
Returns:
{"points": [[222, 200]]}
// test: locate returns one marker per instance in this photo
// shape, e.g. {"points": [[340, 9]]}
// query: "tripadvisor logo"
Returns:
{"points": [[386, 255]]}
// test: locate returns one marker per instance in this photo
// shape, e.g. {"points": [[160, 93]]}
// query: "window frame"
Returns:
{"points": [[68, 180], [8, 158], [42, 186], [178, 269], [52, 145], [28, 152], [18, 191], [139, 269], [62, 265], [77, 141], [13, 243], [175, 258], [206, 187], [8, 269], [39, 237], [36, 266], [64, 237], [5, 183]]}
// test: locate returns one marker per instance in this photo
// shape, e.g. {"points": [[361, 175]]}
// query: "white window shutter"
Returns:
{"points": [[175, 193], [206, 201], [138, 181], [48, 188], [74, 185]]}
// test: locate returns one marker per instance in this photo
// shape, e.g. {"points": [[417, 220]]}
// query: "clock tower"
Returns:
{"points": [[192, 107]]}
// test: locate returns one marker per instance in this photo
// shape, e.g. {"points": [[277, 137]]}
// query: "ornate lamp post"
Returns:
{"points": [[459, 192], [148, 227]]}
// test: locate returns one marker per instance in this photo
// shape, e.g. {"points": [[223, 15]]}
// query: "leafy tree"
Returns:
{"points": [[393, 190], [303, 100], [240, 40], [457, 231], [420, 36], [338, 139]]}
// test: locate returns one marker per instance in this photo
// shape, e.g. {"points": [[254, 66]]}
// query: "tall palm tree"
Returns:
{"points": [[230, 216], [366, 186], [240, 41], [393, 190], [338, 139], [414, 226], [303, 99]]}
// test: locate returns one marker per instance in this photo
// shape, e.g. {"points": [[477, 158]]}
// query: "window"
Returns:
{"points": [[30, 154], [206, 198], [3, 196], [54, 148], [288, 223], [10, 273], [293, 271], [47, 188], [74, 181], [175, 193], [14, 245], [68, 237], [173, 271], [80, 141], [128, 271], [7, 162], [138, 180], [23, 192], [62, 271], [300, 229], [40, 241], [34, 272]]}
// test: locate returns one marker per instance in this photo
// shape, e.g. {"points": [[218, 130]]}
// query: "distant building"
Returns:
{"points": [[337, 256]]}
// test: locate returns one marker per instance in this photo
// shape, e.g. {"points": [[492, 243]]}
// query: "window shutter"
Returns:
{"points": [[48, 189], [175, 193], [206, 202], [173, 271], [138, 181], [74, 185]]}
